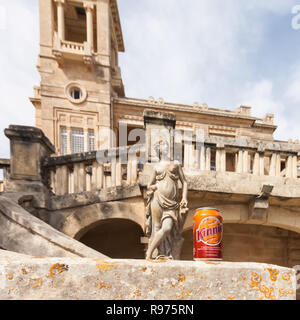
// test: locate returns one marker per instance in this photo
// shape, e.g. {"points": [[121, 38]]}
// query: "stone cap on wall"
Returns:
{"points": [[32, 134], [77, 278]]}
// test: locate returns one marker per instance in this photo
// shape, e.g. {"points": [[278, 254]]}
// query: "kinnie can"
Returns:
{"points": [[208, 234]]}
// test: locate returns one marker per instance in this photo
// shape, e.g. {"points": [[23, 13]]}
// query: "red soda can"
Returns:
{"points": [[208, 234]]}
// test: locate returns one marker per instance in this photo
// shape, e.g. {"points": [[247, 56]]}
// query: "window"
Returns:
{"points": [[80, 11], [76, 93], [63, 141], [91, 140], [77, 141]]}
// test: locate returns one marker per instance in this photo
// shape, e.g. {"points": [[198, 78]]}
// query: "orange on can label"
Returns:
{"points": [[210, 231]]}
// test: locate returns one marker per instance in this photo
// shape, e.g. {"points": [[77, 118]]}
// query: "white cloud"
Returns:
{"points": [[261, 97], [3, 19], [18, 58]]}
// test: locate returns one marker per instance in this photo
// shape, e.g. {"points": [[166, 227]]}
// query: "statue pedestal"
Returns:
{"points": [[77, 278]]}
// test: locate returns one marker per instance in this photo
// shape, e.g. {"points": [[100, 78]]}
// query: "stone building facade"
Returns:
{"points": [[238, 168]]}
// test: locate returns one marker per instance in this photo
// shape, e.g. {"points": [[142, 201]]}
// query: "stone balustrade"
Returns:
{"points": [[259, 158], [83, 172], [72, 49], [72, 46]]}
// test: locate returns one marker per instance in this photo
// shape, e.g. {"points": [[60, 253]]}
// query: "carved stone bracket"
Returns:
{"points": [[259, 206]]}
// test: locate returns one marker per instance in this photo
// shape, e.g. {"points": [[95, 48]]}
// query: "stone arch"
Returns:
{"points": [[82, 219], [116, 238]]}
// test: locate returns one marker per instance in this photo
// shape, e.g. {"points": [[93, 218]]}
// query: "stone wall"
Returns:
{"points": [[25, 277]]}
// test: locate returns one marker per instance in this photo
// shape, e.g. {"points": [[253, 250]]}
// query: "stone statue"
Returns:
{"points": [[165, 214]]}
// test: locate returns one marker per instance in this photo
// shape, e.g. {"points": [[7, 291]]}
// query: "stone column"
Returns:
{"points": [[62, 180], [119, 174], [256, 164], [289, 168], [100, 176], [81, 177], [197, 159], [220, 159], [208, 159], [278, 165], [245, 161], [89, 7], [61, 19], [202, 158], [113, 172], [262, 164], [239, 168], [273, 165], [295, 167]]}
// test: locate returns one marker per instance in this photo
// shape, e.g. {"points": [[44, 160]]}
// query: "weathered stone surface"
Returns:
{"points": [[24, 233], [88, 198], [234, 183], [24, 277]]}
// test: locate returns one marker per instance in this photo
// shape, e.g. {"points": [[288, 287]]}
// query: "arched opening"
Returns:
{"points": [[253, 243], [116, 238]]}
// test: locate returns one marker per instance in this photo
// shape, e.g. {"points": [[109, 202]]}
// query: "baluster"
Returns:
{"points": [[239, 168], [261, 164], [295, 167], [202, 158], [186, 155], [198, 158], [273, 165], [256, 164], [245, 161], [71, 181], [119, 173], [208, 159], [223, 160], [134, 173], [81, 178], [129, 169], [113, 173], [278, 165], [53, 180], [88, 178], [100, 176], [94, 176], [289, 167], [75, 177], [62, 180], [218, 160]]}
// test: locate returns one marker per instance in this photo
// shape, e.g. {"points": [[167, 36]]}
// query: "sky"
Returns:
{"points": [[223, 53]]}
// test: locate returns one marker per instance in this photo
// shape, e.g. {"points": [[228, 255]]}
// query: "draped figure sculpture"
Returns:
{"points": [[165, 213]]}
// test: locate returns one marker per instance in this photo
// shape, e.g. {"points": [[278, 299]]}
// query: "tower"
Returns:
{"points": [[78, 63]]}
